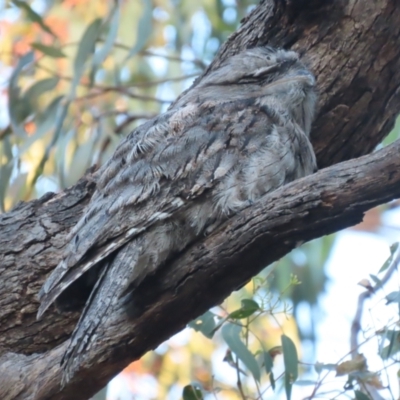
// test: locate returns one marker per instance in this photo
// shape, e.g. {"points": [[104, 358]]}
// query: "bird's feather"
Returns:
{"points": [[240, 133]]}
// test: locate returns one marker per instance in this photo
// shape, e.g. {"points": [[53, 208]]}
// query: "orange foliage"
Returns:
{"points": [[21, 47], [4, 27], [30, 128], [59, 26], [72, 3], [22, 35], [136, 367], [85, 80], [22, 43]]}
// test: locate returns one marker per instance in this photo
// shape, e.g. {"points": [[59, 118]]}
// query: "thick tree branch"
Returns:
{"points": [[332, 199], [353, 47]]}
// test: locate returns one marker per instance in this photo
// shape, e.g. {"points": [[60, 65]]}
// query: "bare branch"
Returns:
{"points": [[371, 290]]}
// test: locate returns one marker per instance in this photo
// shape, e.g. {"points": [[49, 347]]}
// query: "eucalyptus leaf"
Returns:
{"points": [[192, 392], [18, 109], [361, 396], [268, 364], [38, 88], [101, 395], [44, 122], [33, 15], [393, 297], [204, 324], [394, 344], [393, 247], [389, 261], [60, 157], [85, 49], [291, 363], [82, 160], [48, 50], [6, 168], [62, 111], [231, 335], [145, 28], [17, 187], [104, 51], [117, 76], [248, 308]]}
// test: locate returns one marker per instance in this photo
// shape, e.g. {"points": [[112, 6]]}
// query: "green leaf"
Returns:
{"points": [[393, 247], [18, 187], [394, 344], [6, 168], [249, 307], [101, 395], [18, 108], [394, 134], [117, 76], [291, 362], [361, 396], [101, 54], [389, 261], [268, 364], [44, 122], [62, 111], [393, 297], [82, 159], [85, 49], [192, 392], [33, 16], [204, 324], [145, 28], [231, 335], [48, 50], [38, 88]]}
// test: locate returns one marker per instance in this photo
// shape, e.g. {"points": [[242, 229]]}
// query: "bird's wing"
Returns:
{"points": [[157, 170], [99, 305]]}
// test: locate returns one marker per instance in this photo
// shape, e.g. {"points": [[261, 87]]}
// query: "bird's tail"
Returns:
{"points": [[106, 293]]}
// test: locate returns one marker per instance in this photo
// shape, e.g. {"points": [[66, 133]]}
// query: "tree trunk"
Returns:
{"points": [[353, 48]]}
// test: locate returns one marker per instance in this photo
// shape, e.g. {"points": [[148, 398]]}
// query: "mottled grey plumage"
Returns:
{"points": [[240, 133]]}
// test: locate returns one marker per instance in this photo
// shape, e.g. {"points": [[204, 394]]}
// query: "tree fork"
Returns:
{"points": [[353, 49]]}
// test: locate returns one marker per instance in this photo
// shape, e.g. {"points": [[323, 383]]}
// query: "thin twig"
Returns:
{"points": [[239, 381], [356, 324], [110, 113], [320, 382], [117, 88], [54, 73], [130, 119], [164, 80], [123, 91], [148, 53]]}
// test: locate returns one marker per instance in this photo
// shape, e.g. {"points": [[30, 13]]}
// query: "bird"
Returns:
{"points": [[241, 132]]}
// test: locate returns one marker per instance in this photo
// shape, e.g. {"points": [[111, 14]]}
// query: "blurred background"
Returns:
{"points": [[78, 75]]}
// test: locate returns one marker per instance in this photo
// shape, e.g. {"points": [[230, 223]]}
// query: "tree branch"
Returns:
{"points": [[332, 199], [354, 49]]}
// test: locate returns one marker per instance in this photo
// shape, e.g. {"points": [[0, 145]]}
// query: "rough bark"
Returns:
{"points": [[353, 48]]}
